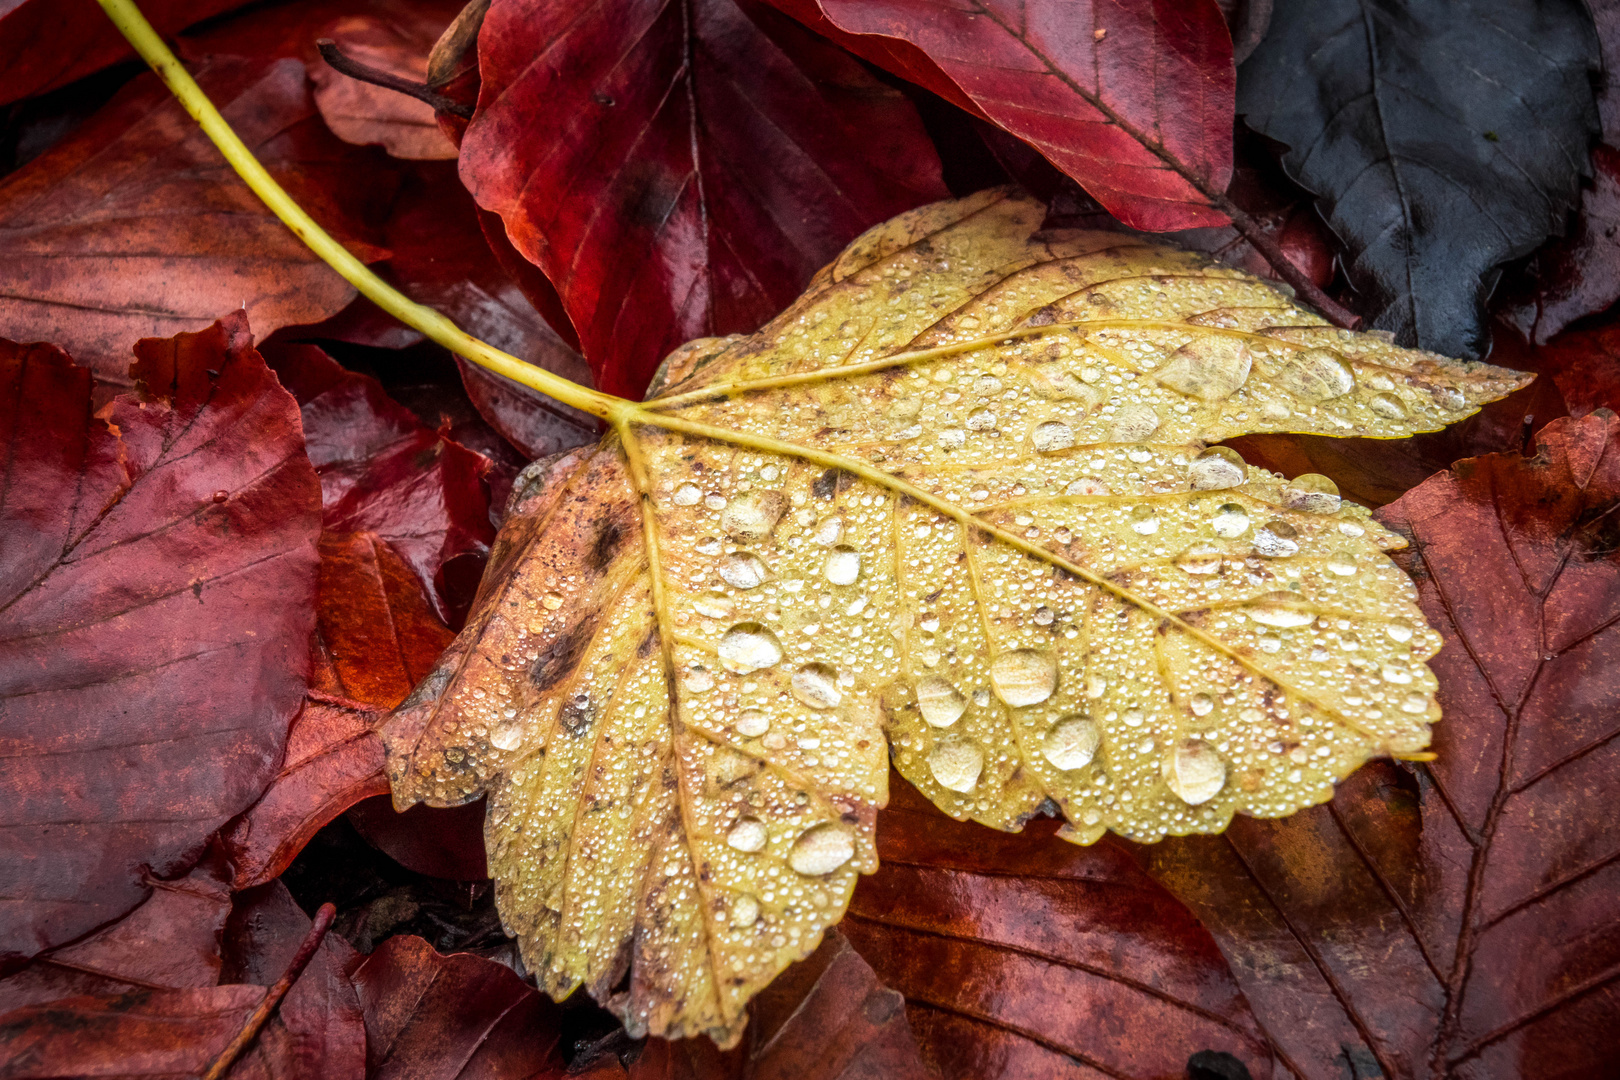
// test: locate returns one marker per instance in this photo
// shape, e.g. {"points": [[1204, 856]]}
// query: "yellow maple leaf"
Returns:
{"points": [[957, 505]]}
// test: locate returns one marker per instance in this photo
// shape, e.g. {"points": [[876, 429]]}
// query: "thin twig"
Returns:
{"points": [[354, 69], [261, 1014], [1273, 253]]}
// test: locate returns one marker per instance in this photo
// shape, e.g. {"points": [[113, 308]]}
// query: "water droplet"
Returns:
{"points": [[1342, 563], [1388, 406], [1380, 381], [821, 849], [551, 601], [1052, 436], [1317, 375], [709, 545], [712, 607], [714, 501], [748, 835], [1087, 485], [1395, 673], [1200, 559], [1312, 493], [1399, 630], [747, 647], [1211, 367], [1216, 468], [1279, 609], [753, 515], [698, 680], [1096, 686], [742, 570], [816, 685], [1350, 528], [752, 723], [1045, 616], [1201, 704], [829, 530], [940, 703], [1415, 703], [981, 420], [1144, 520], [744, 911], [1194, 771], [981, 697], [506, 736], [1276, 539], [956, 764], [1072, 743], [1023, 676], [1230, 521], [1133, 423], [843, 565], [952, 438], [1449, 397], [687, 495]]}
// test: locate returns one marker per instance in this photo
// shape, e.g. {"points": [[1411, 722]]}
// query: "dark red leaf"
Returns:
{"points": [[430, 1015], [440, 258], [134, 225], [170, 942], [1022, 955], [445, 842], [1586, 366], [681, 169], [383, 472], [49, 43], [1457, 919], [318, 1031], [1130, 99], [157, 588]]}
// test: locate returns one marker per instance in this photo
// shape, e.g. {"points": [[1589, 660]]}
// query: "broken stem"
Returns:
{"points": [[344, 64], [272, 997], [133, 25]]}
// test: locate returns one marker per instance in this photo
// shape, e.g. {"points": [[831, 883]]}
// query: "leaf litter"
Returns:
{"points": [[956, 504]]}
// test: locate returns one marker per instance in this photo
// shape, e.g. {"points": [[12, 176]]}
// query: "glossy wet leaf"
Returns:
{"points": [[952, 505]]}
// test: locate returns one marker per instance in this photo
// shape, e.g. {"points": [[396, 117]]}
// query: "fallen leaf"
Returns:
{"points": [[443, 843], [1442, 140], [1586, 366], [45, 44], [468, 1016], [364, 113], [1130, 114], [170, 942], [1456, 919], [681, 169], [1023, 956], [956, 500], [382, 471], [376, 637], [440, 258], [157, 584], [135, 226]]}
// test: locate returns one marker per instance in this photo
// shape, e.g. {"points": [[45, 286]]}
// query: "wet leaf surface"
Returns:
{"points": [[1110, 95], [1020, 955], [1456, 918], [133, 226], [658, 161], [1442, 140], [366, 114], [158, 597], [954, 500]]}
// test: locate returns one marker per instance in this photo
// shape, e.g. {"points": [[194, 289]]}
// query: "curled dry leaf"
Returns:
{"points": [[955, 498], [1457, 919]]}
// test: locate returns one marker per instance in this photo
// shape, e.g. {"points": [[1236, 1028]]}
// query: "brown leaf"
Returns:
{"points": [[1586, 366], [956, 499], [157, 587], [460, 1015], [135, 226], [1020, 955], [1457, 919]]}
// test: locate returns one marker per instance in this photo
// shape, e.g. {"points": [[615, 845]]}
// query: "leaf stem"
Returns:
{"points": [[146, 42], [345, 64]]}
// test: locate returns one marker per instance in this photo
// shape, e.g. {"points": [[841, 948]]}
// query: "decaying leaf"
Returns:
{"points": [[954, 505]]}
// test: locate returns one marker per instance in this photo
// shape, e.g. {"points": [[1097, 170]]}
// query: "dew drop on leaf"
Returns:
{"points": [[744, 911], [742, 570], [1194, 771], [1211, 368], [1216, 468], [941, 703], [747, 835], [747, 647], [1315, 375], [1312, 493], [816, 685], [1230, 522], [1052, 436], [752, 723], [821, 849], [956, 764], [1388, 406], [1023, 676], [842, 565], [752, 516], [1200, 559], [1071, 743]]}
